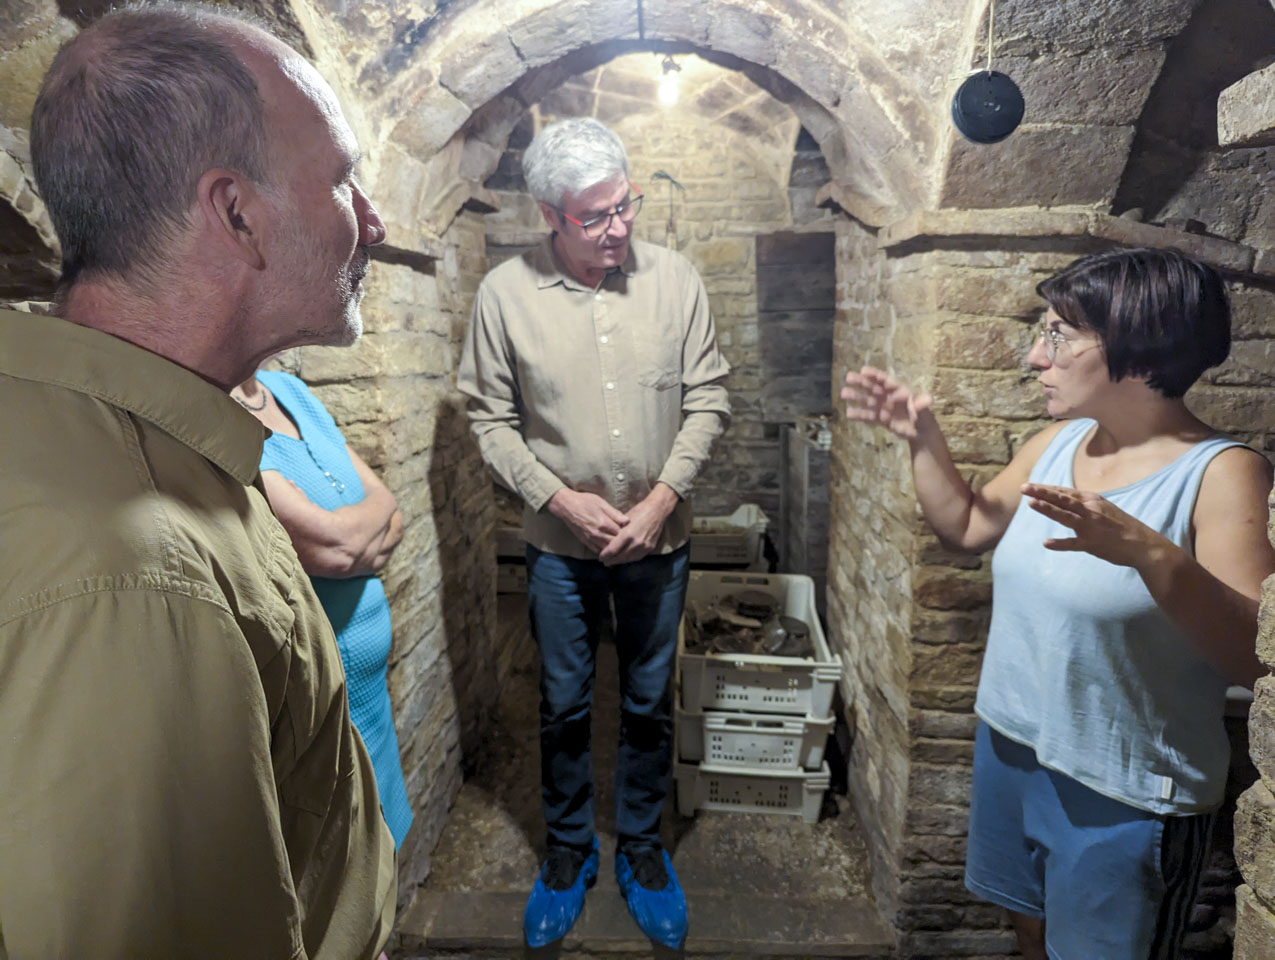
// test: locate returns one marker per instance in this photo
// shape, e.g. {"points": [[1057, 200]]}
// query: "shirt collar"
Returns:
{"points": [[179, 402], [551, 271]]}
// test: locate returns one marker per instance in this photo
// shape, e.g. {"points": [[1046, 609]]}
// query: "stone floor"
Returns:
{"points": [[757, 886]]}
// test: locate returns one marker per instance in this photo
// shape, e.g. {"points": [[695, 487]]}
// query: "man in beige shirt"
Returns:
{"points": [[179, 776], [595, 392]]}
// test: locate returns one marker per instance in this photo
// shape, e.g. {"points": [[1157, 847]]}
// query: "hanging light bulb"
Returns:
{"points": [[668, 82]]}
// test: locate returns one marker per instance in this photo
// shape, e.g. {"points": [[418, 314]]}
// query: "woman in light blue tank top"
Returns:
{"points": [[1130, 547], [344, 523]]}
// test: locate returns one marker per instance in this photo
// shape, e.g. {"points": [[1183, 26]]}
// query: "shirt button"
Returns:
{"points": [[619, 476], [615, 433], [602, 339], [597, 296], [610, 386]]}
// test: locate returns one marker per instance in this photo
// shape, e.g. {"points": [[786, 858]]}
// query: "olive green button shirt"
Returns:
{"points": [[179, 777], [608, 390]]}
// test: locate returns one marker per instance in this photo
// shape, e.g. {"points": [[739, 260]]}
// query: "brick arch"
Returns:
{"points": [[876, 133]]}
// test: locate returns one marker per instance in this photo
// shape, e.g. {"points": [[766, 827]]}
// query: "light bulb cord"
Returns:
{"points": [[991, 20]]}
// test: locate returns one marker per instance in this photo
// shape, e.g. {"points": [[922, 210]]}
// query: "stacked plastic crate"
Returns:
{"points": [[735, 541], [751, 727]]}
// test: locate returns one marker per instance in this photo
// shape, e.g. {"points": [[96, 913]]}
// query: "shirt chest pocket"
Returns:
{"points": [[657, 353]]}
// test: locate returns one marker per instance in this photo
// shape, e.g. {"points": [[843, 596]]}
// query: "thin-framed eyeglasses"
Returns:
{"points": [[1055, 341], [627, 211]]}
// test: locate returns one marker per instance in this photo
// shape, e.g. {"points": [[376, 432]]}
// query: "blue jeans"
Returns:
{"points": [[570, 601]]}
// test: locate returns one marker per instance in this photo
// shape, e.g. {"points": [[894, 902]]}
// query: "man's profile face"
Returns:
{"points": [[324, 223], [610, 248]]}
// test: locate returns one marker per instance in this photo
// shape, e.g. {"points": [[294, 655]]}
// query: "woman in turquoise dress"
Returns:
{"points": [[344, 524]]}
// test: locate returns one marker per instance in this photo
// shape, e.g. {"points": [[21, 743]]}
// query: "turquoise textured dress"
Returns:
{"points": [[319, 464]]}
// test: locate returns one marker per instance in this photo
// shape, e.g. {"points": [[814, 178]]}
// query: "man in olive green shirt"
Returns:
{"points": [[179, 776]]}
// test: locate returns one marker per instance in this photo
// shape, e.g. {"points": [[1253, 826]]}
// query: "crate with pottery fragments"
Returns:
{"points": [[752, 643]]}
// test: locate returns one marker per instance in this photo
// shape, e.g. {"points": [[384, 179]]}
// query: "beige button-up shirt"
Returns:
{"points": [[607, 390], [179, 776]]}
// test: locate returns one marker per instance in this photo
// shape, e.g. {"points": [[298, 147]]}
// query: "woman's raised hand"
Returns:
{"points": [[873, 396]]}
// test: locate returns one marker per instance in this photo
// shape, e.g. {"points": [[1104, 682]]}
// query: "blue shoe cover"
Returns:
{"points": [[660, 914], [551, 913]]}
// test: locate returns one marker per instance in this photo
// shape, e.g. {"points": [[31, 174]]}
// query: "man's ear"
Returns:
{"points": [[233, 214], [552, 217]]}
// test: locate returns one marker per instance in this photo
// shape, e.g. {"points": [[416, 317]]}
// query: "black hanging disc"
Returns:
{"points": [[988, 107]]}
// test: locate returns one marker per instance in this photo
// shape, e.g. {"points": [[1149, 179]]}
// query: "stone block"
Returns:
{"points": [[942, 724], [949, 665], [1251, 364], [1038, 166], [1246, 111], [1232, 408], [939, 783], [927, 889], [22, 66], [989, 293], [430, 120], [985, 394], [943, 819], [942, 751], [745, 33], [1106, 86], [984, 344], [940, 627], [1255, 840], [479, 63], [1087, 23], [544, 34], [612, 19], [943, 697], [1266, 612], [939, 589], [674, 20], [1254, 927], [946, 946], [1261, 730], [1216, 251]]}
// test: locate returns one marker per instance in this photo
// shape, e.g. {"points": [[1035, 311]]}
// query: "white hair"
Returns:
{"points": [[571, 156]]}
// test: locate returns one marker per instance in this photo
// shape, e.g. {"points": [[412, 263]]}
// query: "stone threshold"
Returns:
{"points": [[482, 924]]}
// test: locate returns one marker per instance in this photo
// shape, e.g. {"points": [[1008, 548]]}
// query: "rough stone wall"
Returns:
{"points": [[869, 569], [1246, 118]]}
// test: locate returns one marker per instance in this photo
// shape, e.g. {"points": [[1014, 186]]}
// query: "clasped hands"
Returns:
{"points": [[616, 537]]}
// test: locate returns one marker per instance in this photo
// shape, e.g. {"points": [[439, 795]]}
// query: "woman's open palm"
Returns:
{"points": [[873, 396]]}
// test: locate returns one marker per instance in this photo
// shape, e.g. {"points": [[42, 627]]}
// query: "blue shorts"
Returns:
{"points": [[1113, 882]]}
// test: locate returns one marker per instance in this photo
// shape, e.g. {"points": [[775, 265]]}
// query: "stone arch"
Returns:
{"points": [[874, 127]]}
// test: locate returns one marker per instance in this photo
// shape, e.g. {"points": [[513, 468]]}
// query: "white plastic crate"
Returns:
{"points": [[511, 578], [735, 540], [509, 542], [758, 683], [757, 740], [732, 789]]}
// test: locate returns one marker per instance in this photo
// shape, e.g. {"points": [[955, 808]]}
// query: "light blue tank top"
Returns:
{"points": [[1082, 664]]}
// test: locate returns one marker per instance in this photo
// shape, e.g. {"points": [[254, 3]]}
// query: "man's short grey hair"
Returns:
{"points": [[571, 156], [130, 115]]}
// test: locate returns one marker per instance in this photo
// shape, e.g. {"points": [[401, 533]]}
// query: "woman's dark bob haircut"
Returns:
{"points": [[1159, 314]]}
